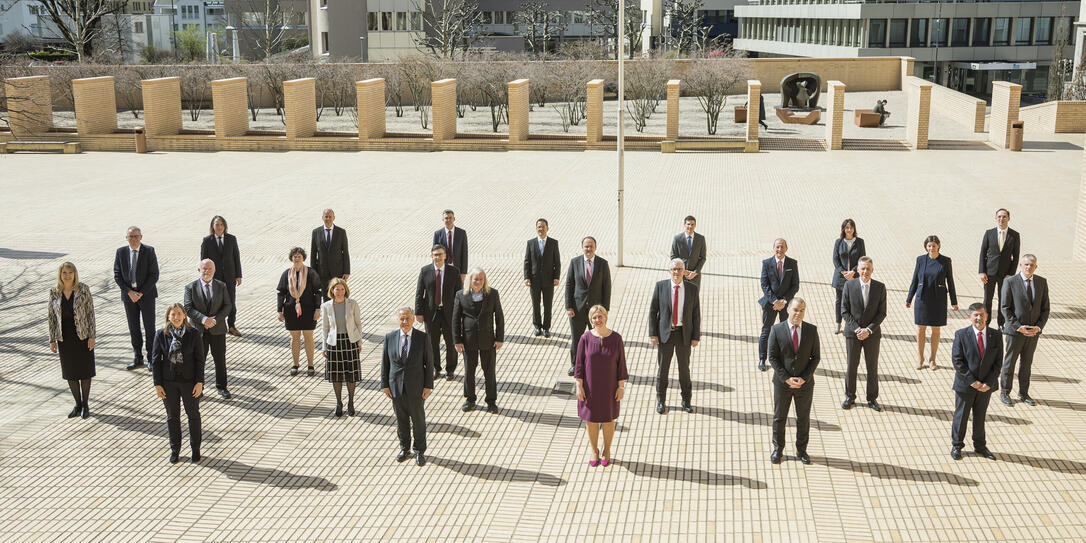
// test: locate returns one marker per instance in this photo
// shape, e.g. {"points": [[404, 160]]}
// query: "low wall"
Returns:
{"points": [[956, 106], [1057, 117]]}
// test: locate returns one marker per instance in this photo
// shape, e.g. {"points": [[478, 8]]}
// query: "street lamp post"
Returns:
{"points": [[234, 53]]}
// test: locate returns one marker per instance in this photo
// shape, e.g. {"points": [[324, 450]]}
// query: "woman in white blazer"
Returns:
{"points": [[341, 326]]}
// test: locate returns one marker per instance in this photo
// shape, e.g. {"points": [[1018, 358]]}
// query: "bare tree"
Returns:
{"points": [[646, 81], [23, 101], [539, 25], [604, 14], [80, 21], [711, 79], [687, 29], [195, 84], [272, 21], [490, 76], [115, 37], [568, 89], [417, 72], [1059, 68], [448, 26]]}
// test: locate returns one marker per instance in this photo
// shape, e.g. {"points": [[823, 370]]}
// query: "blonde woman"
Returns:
{"points": [[600, 371], [177, 366], [71, 333], [299, 305], [478, 325], [341, 334]]}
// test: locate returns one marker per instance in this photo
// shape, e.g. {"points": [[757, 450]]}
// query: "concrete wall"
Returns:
{"points": [[966, 110]]}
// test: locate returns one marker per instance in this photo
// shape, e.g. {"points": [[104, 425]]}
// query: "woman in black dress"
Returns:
{"points": [[299, 306], [71, 333], [847, 250], [177, 367], [933, 279]]}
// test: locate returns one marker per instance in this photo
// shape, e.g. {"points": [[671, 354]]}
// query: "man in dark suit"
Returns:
{"points": [[977, 353], [780, 282], [207, 303], [542, 269], [690, 247], [675, 327], [454, 240], [479, 329], [588, 282], [135, 270], [794, 354], [998, 259], [407, 377], [330, 254], [1024, 302], [435, 294], [222, 248], [863, 308]]}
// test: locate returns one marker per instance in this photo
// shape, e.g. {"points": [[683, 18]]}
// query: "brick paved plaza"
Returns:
{"points": [[278, 466]]}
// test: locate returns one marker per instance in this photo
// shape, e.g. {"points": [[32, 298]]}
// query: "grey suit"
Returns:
{"points": [[674, 339], [405, 378], [580, 296], [788, 362], [856, 314], [1020, 310], [198, 307], [691, 251]]}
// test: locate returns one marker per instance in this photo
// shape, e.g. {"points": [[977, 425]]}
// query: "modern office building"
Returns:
{"points": [[962, 45]]}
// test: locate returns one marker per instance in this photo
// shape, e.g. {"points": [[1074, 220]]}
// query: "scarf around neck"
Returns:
{"points": [[296, 285], [175, 356]]}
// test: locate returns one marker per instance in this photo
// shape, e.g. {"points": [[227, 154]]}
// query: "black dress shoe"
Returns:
{"points": [[293, 370], [570, 372], [761, 365], [660, 408], [437, 373], [310, 371], [224, 394], [468, 406], [403, 456], [1003, 397], [874, 405], [339, 409], [983, 451], [136, 364], [85, 412], [776, 456], [450, 377], [1027, 400], [350, 409], [803, 457], [173, 457], [75, 411], [956, 453], [491, 408], [195, 456], [687, 407], [847, 404], [420, 459], [538, 332], [546, 333]]}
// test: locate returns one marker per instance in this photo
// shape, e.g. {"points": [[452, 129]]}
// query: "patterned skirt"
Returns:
{"points": [[342, 363]]}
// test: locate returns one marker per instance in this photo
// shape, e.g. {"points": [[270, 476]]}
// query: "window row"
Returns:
{"points": [[938, 32], [378, 21]]}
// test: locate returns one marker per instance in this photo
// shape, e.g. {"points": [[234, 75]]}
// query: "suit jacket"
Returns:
{"points": [[778, 288], [544, 267], [661, 307], [856, 315], [197, 306], [845, 259], [330, 260], [227, 260], [996, 263], [353, 325], [427, 288], [146, 277], [694, 259], [407, 376], [581, 296], [787, 362], [192, 356], [1016, 307], [968, 364], [477, 325], [459, 255], [943, 281], [82, 306]]}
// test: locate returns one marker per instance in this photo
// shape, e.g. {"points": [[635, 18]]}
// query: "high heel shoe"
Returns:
{"points": [[85, 413], [339, 409], [75, 411], [595, 462], [933, 366], [606, 460], [350, 408], [920, 365]]}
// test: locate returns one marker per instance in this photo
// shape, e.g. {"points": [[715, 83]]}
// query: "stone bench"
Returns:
{"points": [[866, 118], [671, 146], [65, 147], [787, 116]]}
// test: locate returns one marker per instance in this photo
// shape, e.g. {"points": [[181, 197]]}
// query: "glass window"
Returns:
{"points": [[138, 27], [371, 21], [1023, 30], [982, 28], [401, 20], [386, 20], [959, 32], [499, 17], [1001, 31], [511, 16], [416, 21], [324, 42], [898, 29], [877, 34], [918, 34], [1044, 30], [939, 32]]}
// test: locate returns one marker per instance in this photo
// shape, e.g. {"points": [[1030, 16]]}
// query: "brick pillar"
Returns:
{"points": [[906, 69], [30, 105], [231, 103], [754, 99], [916, 124], [673, 109], [161, 106], [594, 111], [300, 107], [518, 110], [835, 114], [443, 100], [95, 105], [1079, 250], [1005, 100], [371, 108]]}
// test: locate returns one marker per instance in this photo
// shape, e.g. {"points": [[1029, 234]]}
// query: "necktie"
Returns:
{"points": [[542, 243], [864, 288], [1029, 290], [1001, 240], [587, 272], [795, 339], [689, 244], [220, 242], [448, 236], [207, 291], [675, 308], [403, 348], [328, 237], [437, 291], [132, 268], [980, 343], [780, 269]]}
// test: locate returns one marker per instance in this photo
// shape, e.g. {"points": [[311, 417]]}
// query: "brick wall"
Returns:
{"points": [[231, 105], [30, 105], [1079, 250], [371, 108], [1057, 117], [594, 111], [95, 105], [518, 110], [673, 109], [300, 107], [916, 124], [443, 95], [754, 98], [161, 106], [907, 64], [835, 114], [966, 110], [1005, 102], [860, 74]]}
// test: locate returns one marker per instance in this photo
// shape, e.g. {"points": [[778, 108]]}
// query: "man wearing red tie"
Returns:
{"points": [[455, 241], [674, 327], [434, 294], [977, 357], [794, 354]]}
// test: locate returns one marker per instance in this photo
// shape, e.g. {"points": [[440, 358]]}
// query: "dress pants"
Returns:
{"points": [[578, 323], [437, 328], [1017, 345], [870, 348], [232, 293], [178, 393], [768, 316], [471, 359], [993, 286], [545, 290], [783, 395], [681, 349], [135, 312], [217, 345], [410, 421], [837, 304], [965, 402]]}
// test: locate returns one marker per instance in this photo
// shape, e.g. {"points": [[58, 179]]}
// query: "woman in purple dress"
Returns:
{"points": [[601, 376]]}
